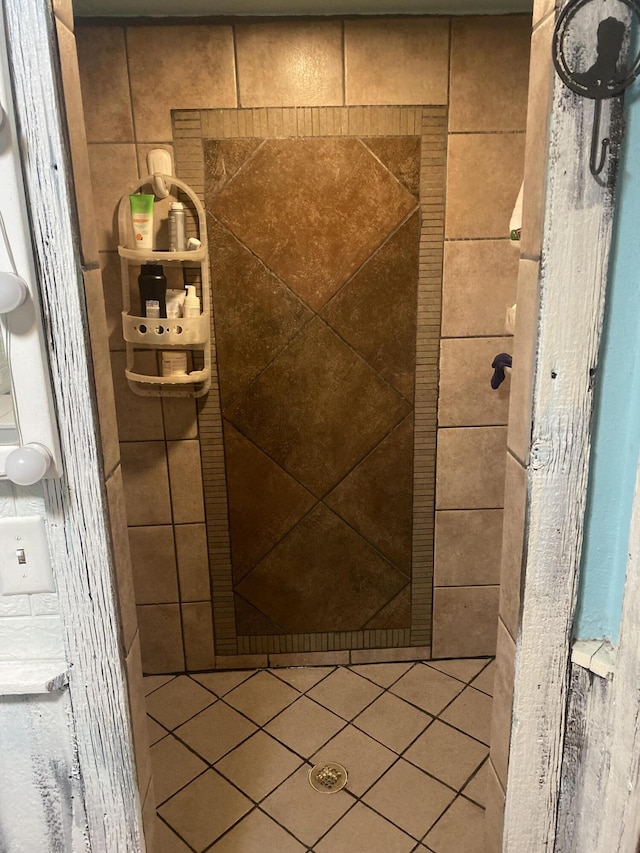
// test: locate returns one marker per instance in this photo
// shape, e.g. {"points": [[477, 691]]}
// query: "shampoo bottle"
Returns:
{"points": [[153, 288]]}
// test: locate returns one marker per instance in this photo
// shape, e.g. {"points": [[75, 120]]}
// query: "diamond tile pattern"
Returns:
{"points": [[317, 369], [323, 227], [238, 788]]}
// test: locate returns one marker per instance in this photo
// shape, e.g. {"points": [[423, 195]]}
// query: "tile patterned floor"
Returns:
{"points": [[231, 753]]}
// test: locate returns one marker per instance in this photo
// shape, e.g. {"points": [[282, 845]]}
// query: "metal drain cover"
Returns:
{"points": [[328, 778]]}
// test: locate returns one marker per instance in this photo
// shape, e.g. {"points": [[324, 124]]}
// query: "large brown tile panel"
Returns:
{"points": [[290, 63], [153, 561], [470, 468], [308, 568], [489, 72], [395, 614], [484, 174], [139, 418], [193, 562], [465, 621], [524, 353], [537, 148], [502, 703], [122, 559], [223, 158], [74, 115], [298, 408], [178, 67], [251, 331], [105, 83], [376, 498], [107, 160], [515, 494], [101, 366], [264, 501], [146, 484], [376, 311], [397, 60], [331, 226], [401, 155], [198, 635], [185, 474], [161, 638], [251, 622], [467, 547], [466, 396], [479, 283]]}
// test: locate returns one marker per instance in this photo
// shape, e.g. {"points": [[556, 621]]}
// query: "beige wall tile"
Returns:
{"points": [[494, 813], [122, 559], [391, 655], [193, 562], [198, 635], [105, 83], [464, 621], [138, 709], [64, 12], [470, 468], [102, 370], [524, 350], [484, 174], [467, 548], [502, 703], [110, 268], [153, 561], [290, 63], [241, 661], [106, 161], [489, 72], [479, 283], [78, 143], [180, 418], [535, 172], [309, 659], [466, 397], [178, 67], [515, 495], [161, 638], [541, 8], [150, 819], [139, 418], [146, 483], [186, 481], [397, 60]]}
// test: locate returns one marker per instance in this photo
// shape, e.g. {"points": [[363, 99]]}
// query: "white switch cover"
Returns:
{"points": [[25, 565]]}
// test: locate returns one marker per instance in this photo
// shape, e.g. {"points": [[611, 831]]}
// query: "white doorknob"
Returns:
{"points": [[28, 464]]}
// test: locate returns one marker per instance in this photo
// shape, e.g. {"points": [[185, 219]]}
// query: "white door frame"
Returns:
{"points": [[578, 221], [76, 504]]}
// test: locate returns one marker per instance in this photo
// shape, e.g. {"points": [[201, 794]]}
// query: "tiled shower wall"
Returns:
{"points": [[132, 76]]}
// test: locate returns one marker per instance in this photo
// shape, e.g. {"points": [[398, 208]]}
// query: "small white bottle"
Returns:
{"points": [[177, 227], [191, 303]]}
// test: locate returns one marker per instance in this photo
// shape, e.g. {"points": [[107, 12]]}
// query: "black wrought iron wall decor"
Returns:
{"points": [[605, 78]]}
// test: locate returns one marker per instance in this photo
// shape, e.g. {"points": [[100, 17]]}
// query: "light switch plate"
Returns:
{"points": [[25, 565]]}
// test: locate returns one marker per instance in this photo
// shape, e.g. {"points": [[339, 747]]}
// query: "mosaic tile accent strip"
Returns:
{"points": [[191, 127]]}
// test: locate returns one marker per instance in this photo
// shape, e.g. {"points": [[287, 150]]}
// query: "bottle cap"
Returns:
{"points": [[177, 205]]}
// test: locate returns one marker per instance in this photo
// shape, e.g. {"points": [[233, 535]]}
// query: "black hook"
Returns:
{"points": [[596, 165]]}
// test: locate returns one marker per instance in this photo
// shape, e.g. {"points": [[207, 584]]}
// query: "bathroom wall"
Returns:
{"points": [[132, 76]]}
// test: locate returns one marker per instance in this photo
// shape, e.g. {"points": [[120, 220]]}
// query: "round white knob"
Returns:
{"points": [[13, 292], [28, 464]]}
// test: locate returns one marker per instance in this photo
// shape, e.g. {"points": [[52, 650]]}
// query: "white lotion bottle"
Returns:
{"points": [[191, 303]]}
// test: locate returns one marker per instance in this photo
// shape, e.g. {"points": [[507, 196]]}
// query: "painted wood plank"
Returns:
{"points": [[75, 506], [575, 253]]}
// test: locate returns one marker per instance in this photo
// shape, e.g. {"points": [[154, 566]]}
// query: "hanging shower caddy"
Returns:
{"points": [[181, 333]]}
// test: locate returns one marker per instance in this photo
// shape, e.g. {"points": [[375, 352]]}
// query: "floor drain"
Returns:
{"points": [[328, 778]]}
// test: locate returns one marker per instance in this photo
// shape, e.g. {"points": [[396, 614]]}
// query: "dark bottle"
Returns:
{"points": [[153, 288]]}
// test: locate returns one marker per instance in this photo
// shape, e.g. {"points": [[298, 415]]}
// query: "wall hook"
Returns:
{"points": [[604, 78]]}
